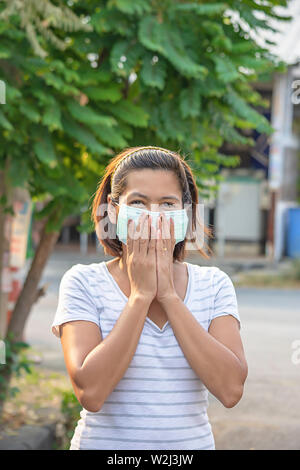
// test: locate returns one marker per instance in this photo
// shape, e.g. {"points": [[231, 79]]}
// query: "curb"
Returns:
{"points": [[30, 438]]}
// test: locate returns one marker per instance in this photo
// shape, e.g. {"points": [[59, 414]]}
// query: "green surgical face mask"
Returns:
{"points": [[180, 218]]}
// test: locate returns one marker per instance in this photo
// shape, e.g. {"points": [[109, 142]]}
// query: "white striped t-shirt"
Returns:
{"points": [[160, 403]]}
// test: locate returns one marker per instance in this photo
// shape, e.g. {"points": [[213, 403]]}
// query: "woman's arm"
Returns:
{"points": [[95, 366], [216, 357]]}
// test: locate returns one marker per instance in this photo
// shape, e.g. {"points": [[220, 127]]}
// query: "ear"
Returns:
{"points": [[112, 210]]}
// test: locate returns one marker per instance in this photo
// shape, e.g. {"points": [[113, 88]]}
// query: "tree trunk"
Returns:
{"points": [[28, 295], [3, 295], [5, 225]]}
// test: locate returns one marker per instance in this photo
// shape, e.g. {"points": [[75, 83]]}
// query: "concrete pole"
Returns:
{"points": [[83, 240], [283, 148]]}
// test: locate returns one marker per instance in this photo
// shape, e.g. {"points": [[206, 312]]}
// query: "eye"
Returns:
{"points": [[169, 204], [137, 201]]}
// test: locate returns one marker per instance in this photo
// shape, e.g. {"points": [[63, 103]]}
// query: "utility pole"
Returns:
{"points": [[283, 158]]}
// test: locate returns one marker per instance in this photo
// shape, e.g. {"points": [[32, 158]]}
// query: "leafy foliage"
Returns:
{"points": [[42, 16], [70, 408], [99, 76], [16, 360]]}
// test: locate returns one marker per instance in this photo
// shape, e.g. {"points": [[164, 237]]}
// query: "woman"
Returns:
{"points": [[146, 335]]}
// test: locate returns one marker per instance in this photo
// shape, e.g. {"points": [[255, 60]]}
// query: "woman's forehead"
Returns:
{"points": [[153, 195], [151, 181]]}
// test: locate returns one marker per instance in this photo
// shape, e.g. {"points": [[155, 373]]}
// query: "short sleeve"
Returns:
{"points": [[74, 299], [225, 301]]}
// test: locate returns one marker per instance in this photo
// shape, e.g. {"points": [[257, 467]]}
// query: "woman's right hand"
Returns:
{"points": [[141, 258]]}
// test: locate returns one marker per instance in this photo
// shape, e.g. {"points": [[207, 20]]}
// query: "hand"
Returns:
{"points": [[141, 258], [165, 245]]}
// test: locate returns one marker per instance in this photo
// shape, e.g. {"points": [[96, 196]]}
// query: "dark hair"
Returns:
{"points": [[114, 182]]}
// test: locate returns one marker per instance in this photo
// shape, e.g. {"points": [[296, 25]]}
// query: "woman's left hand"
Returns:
{"points": [[165, 245]]}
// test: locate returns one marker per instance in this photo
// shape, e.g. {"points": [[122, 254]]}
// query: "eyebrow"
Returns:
{"points": [[134, 194]]}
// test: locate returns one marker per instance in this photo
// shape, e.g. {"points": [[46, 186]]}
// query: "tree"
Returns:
{"points": [[193, 64], [166, 73]]}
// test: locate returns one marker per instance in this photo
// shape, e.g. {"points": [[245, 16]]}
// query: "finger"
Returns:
{"points": [[144, 239], [152, 241], [159, 245], [137, 233], [130, 231], [172, 232], [165, 230], [166, 242]]}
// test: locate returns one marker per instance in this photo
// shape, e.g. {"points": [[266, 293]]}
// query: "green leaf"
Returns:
{"points": [[190, 101], [242, 47], [226, 70], [70, 75], [171, 123], [108, 92], [44, 148], [67, 186], [18, 171], [212, 29], [90, 76], [114, 21], [87, 115], [222, 43], [243, 110], [129, 113], [154, 71], [52, 118], [255, 63], [164, 38], [130, 8], [12, 93], [43, 96], [21, 345], [4, 52], [110, 136], [248, 15], [83, 136], [209, 9], [4, 122], [211, 88], [30, 112], [54, 80], [149, 34], [124, 56]]}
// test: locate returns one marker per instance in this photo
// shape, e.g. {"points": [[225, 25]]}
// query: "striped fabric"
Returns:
{"points": [[160, 403]]}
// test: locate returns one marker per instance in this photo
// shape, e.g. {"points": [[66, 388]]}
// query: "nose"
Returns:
{"points": [[153, 207]]}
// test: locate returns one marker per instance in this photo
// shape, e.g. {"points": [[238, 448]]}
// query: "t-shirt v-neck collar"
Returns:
{"points": [[125, 298]]}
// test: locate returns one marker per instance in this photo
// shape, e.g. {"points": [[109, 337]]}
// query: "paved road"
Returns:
{"points": [[268, 416]]}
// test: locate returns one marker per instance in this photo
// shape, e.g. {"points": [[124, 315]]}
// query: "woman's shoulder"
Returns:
{"points": [[212, 275], [86, 274], [204, 271]]}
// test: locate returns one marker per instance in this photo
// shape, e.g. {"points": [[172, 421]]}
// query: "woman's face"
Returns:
{"points": [[154, 190]]}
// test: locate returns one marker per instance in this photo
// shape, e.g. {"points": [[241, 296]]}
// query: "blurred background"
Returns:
{"points": [[218, 82]]}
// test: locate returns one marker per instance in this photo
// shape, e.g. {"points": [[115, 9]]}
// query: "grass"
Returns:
{"points": [[285, 278], [44, 397]]}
